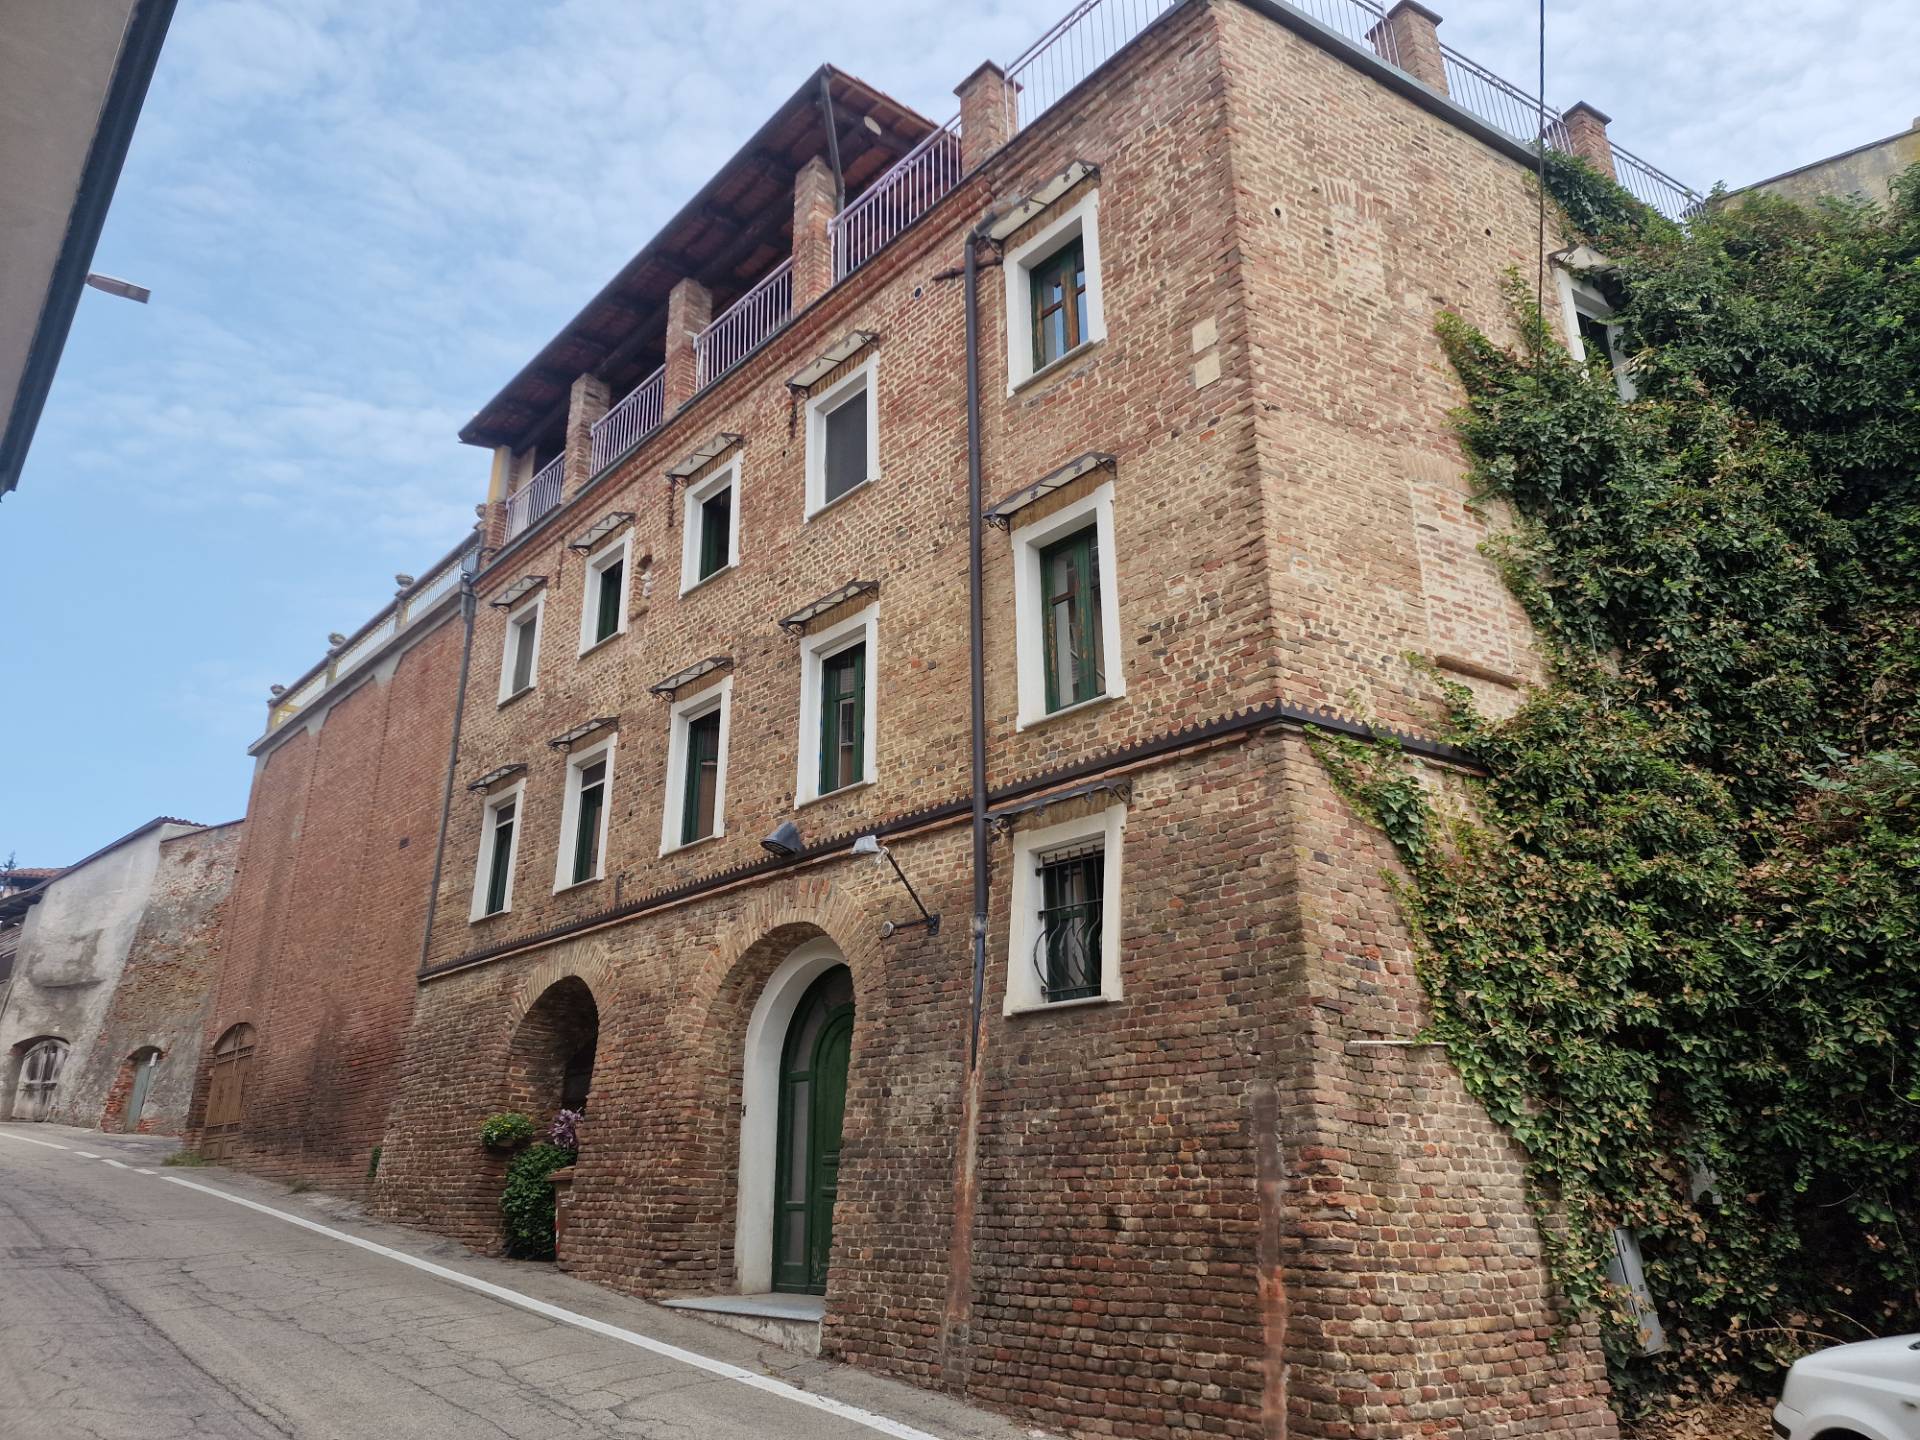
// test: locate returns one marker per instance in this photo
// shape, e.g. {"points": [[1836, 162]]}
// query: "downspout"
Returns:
{"points": [[467, 607]]}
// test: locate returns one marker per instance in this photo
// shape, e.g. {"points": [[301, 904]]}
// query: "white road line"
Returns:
{"points": [[29, 1140], [115, 1163], [86, 1155], [141, 1170], [719, 1368]]}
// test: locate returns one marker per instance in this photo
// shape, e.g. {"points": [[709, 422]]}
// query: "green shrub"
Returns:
{"points": [[508, 1128], [526, 1205], [186, 1159]]}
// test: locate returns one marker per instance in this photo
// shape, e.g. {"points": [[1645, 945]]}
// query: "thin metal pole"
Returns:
{"points": [[467, 606], [977, 655]]}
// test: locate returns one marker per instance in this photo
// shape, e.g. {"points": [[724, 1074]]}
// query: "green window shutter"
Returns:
{"points": [[843, 705], [500, 866], [1070, 618], [586, 830], [716, 532], [700, 795], [609, 615]]}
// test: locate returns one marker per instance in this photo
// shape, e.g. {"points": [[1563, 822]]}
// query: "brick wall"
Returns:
{"points": [[1180, 1209], [327, 914], [165, 990]]}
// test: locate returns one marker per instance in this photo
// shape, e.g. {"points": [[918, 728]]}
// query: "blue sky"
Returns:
{"points": [[359, 217]]}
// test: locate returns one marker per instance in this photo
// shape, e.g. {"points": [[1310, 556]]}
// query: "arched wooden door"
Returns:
{"points": [[813, 1107], [227, 1090], [39, 1078]]}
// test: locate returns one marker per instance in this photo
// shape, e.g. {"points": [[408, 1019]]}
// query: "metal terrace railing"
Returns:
{"points": [[631, 421], [1083, 40], [537, 496], [1652, 186], [916, 183], [354, 651], [1504, 106], [744, 324]]}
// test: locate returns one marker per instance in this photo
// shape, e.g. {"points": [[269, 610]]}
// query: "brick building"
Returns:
{"points": [[1146, 334], [321, 936]]}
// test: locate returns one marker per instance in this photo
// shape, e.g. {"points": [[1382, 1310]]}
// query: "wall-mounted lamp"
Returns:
{"points": [[870, 845], [784, 842]]}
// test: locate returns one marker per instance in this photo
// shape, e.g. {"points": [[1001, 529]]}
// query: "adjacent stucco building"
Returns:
{"points": [[77, 936], [1865, 172]]}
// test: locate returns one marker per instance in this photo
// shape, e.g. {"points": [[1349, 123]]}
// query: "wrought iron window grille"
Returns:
{"points": [[1067, 950]]}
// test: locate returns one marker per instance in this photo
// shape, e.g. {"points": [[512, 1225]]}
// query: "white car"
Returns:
{"points": [[1868, 1391]]}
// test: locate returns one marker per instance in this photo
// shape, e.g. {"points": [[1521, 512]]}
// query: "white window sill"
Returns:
{"points": [[834, 794], [507, 700], [692, 844], [602, 644], [1046, 1006], [726, 569], [473, 919], [845, 495], [578, 884], [1056, 365], [1034, 722]]}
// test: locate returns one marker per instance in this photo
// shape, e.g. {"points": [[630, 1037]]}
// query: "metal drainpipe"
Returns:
{"points": [[976, 610], [467, 606]]}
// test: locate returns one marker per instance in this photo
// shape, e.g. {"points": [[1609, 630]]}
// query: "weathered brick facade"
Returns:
{"points": [[165, 990], [323, 929], [1205, 1203]]}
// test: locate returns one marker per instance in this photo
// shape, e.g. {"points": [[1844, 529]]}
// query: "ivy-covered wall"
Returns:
{"points": [[1674, 943]]}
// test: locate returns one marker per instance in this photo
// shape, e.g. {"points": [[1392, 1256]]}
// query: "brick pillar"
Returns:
{"points": [[986, 113], [586, 403], [1587, 137], [1410, 38], [689, 308], [814, 203]]}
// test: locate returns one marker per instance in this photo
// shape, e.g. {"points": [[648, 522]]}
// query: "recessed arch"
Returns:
{"points": [[551, 1056], [767, 1031], [227, 1089]]}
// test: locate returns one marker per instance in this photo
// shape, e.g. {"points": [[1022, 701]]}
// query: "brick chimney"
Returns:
{"points": [[815, 200], [1587, 137], [586, 403], [986, 113], [689, 309], [1410, 38]]}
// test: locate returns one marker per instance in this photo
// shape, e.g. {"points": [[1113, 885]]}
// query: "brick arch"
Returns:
{"points": [[748, 948], [587, 962]]}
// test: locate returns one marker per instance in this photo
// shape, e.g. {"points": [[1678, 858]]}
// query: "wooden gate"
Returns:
{"points": [[227, 1090], [39, 1077]]}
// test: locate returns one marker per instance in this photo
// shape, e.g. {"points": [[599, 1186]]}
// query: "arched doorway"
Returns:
{"points": [[227, 1090], [144, 1061], [550, 1062], [39, 1078], [794, 1100], [813, 1108]]}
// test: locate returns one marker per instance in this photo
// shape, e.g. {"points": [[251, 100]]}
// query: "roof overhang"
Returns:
{"points": [[731, 233]]}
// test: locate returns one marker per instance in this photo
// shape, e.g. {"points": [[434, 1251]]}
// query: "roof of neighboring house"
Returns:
{"points": [[32, 873], [728, 236], [21, 900]]}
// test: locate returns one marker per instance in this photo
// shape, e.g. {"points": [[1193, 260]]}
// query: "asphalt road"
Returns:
{"points": [[134, 1305]]}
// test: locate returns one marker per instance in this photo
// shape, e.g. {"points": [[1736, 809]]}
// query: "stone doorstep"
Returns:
{"points": [[790, 1321]]}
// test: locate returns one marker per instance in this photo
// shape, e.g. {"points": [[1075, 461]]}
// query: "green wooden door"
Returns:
{"points": [[813, 1107]]}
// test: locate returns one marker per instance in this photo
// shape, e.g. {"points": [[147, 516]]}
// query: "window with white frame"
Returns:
{"points": [[603, 603], [1054, 303], [583, 816], [838, 701], [499, 848], [843, 436], [696, 798], [1066, 609], [1065, 932], [710, 526], [520, 660], [1593, 336]]}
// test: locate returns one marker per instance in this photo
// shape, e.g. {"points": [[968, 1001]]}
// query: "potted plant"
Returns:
{"points": [[506, 1132]]}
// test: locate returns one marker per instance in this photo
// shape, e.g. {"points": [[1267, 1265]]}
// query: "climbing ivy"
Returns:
{"points": [[1673, 941]]}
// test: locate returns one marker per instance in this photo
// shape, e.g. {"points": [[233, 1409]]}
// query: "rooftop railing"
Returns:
{"points": [[737, 330], [353, 651], [537, 496], [1083, 40], [916, 183], [631, 421]]}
